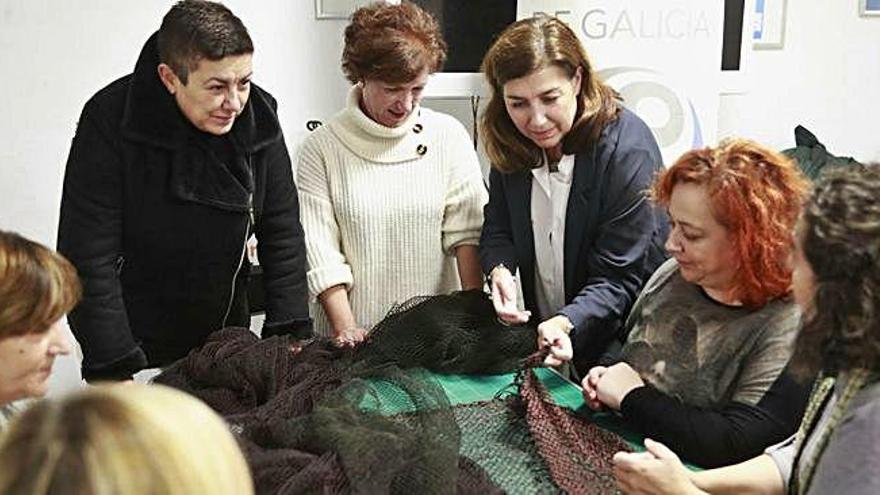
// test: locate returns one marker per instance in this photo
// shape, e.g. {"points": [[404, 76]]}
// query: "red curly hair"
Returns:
{"points": [[757, 195]]}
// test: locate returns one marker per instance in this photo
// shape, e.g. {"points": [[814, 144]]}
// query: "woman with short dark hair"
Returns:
{"points": [[172, 170], [391, 192]]}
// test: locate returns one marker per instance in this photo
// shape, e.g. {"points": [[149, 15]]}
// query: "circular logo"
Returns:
{"points": [[669, 113]]}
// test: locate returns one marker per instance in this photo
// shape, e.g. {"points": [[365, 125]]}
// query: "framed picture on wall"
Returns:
{"points": [[869, 7], [337, 9], [768, 24]]}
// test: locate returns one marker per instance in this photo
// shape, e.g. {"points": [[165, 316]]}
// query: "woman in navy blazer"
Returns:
{"points": [[567, 197]]}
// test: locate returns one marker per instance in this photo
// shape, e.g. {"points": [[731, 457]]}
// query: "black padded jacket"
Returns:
{"points": [[156, 223]]}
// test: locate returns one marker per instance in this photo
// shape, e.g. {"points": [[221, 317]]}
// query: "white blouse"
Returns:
{"points": [[549, 204]]}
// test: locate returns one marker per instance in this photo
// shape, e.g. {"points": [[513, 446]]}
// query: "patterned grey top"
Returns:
{"points": [[703, 352]]}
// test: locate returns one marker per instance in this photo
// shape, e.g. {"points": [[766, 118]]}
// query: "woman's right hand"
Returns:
{"points": [[656, 471], [346, 331], [590, 385], [503, 287]]}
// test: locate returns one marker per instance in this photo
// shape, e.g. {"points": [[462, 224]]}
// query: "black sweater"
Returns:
{"points": [[711, 437]]}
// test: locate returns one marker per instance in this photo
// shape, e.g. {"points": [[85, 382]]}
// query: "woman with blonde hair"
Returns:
{"points": [[113, 439], [567, 204], [391, 192], [37, 288]]}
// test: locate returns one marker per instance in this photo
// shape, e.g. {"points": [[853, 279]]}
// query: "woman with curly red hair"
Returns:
{"points": [[835, 280], [704, 365]]}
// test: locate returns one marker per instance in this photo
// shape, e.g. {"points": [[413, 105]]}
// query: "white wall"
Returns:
{"points": [[826, 77], [54, 55]]}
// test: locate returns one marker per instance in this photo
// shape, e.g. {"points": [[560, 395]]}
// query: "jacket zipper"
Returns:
{"points": [[247, 233]]}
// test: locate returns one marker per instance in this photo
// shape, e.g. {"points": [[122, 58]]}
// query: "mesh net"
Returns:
{"points": [[458, 333], [312, 417], [578, 453]]}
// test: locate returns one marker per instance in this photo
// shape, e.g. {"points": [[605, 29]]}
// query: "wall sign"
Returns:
{"points": [[869, 7], [337, 9], [768, 24], [663, 57]]}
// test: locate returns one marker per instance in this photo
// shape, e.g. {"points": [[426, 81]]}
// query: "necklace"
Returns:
{"points": [[552, 162], [800, 483]]}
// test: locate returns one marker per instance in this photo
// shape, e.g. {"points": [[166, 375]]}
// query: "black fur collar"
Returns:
{"points": [[151, 114]]}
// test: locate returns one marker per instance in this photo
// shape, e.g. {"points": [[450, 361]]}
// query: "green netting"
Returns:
{"points": [[496, 437], [316, 418]]}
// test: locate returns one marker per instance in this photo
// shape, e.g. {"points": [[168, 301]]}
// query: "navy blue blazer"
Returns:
{"points": [[613, 234]]}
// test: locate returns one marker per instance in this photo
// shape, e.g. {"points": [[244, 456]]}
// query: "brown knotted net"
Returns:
{"points": [[314, 418], [578, 453]]}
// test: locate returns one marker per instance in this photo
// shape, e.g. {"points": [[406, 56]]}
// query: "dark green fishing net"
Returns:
{"points": [[315, 418]]}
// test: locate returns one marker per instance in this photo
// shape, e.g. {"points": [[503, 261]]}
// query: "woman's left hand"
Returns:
{"points": [[350, 337], [553, 333], [653, 472], [617, 381]]}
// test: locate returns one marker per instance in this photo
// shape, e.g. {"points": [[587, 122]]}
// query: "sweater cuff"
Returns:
{"points": [[783, 455], [452, 241], [321, 279], [574, 315], [119, 370]]}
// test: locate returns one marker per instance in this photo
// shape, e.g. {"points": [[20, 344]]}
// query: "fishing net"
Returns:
{"points": [[312, 417]]}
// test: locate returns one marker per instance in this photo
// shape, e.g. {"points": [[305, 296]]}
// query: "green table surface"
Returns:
{"points": [[465, 389]]}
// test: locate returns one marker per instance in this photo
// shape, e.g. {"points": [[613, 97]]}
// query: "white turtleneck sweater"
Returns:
{"points": [[383, 208]]}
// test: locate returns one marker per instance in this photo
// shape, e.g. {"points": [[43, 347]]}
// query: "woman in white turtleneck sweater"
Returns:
{"points": [[391, 193]]}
